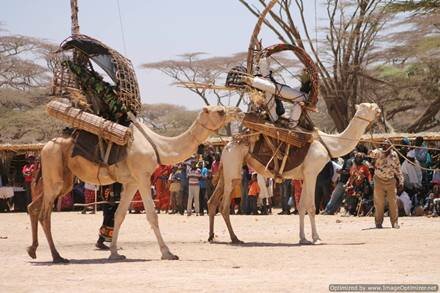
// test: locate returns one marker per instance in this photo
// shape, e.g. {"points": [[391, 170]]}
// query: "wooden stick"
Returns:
{"points": [[74, 16], [101, 202]]}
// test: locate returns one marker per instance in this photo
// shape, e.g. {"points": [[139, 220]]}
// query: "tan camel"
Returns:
{"points": [[323, 148], [59, 169]]}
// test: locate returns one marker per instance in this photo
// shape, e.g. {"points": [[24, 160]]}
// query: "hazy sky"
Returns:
{"points": [[154, 31]]}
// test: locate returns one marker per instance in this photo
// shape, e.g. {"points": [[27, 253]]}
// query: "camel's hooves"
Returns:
{"points": [[237, 241], [60, 260], [211, 238], [117, 257], [170, 257], [32, 252], [305, 242], [317, 242]]}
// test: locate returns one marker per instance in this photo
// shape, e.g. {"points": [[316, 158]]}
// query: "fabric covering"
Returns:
{"points": [[263, 154], [97, 52], [87, 146]]}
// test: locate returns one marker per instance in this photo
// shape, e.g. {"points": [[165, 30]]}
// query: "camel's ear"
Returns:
{"points": [[205, 109], [356, 107]]}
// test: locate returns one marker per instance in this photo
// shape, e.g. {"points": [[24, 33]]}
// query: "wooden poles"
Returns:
{"points": [[74, 16]]}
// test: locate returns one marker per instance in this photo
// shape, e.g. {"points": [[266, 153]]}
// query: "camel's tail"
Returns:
{"points": [[218, 183]]}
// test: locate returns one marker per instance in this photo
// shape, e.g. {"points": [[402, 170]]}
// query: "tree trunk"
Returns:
{"points": [[336, 108]]}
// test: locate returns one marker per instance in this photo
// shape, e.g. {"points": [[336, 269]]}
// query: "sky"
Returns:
{"points": [[153, 31]]}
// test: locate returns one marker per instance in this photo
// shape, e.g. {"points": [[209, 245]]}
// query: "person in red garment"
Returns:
{"points": [[27, 171], [137, 206], [160, 181]]}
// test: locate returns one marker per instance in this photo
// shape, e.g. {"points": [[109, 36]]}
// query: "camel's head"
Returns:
{"points": [[215, 117], [368, 111]]}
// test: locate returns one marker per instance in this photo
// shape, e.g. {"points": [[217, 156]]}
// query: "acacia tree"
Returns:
{"points": [[343, 57], [22, 61], [421, 6], [417, 54], [191, 68]]}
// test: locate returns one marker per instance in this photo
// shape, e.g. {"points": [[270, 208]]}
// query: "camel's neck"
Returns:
{"points": [[343, 143], [173, 150]]}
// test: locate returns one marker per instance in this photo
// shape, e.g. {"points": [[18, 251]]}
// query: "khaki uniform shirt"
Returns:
{"points": [[387, 167]]}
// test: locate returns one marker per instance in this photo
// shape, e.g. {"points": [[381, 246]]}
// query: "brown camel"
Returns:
{"points": [[323, 148], [59, 169]]}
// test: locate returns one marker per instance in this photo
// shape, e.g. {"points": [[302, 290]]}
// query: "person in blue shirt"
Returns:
{"points": [[202, 183]]}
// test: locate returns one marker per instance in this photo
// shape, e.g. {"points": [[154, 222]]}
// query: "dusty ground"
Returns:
{"points": [[271, 260]]}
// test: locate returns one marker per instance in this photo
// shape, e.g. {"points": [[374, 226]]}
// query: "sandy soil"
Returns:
{"points": [[271, 259]]}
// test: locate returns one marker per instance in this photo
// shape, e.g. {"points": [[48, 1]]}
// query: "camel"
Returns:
{"points": [[59, 169], [322, 149]]}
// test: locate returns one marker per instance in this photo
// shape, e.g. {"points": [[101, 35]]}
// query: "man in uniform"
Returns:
{"points": [[387, 176]]}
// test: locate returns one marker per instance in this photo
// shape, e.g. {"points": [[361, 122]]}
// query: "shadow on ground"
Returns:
{"points": [[90, 261], [270, 244]]}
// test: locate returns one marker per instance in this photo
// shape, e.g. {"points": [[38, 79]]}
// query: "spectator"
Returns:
{"points": [[323, 186], [286, 193], [235, 199], [111, 195], [89, 197], [254, 191], [184, 184], [387, 169], [202, 184], [175, 191], [433, 202], [339, 191], [406, 203], [297, 190], [194, 189], [27, 171], [412, 173], [264, 196], [358, 185], [421, 153]]}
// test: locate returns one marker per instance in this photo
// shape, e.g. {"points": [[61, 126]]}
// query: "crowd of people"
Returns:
{"points": [[355, 185], [187, 187], [365, 176], [350, 185]]}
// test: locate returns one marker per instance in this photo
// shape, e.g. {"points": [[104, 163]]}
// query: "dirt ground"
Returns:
{"points": [[271, 259]]}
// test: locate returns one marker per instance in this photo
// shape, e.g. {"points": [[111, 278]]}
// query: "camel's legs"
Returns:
{"points": [[126, 197], [145, 191], [315, 235], [46, 223], [307, 203], [34, 211], [228, 187], [302, 235], [52, 190], [213, 204]]}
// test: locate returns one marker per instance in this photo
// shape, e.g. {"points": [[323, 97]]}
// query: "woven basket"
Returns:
{"points": [[297, 139], [127, 85], [77, 118]]}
